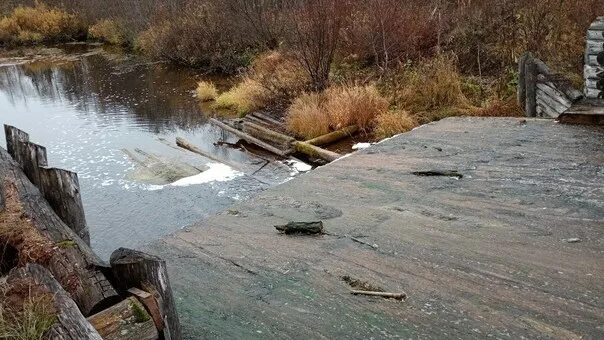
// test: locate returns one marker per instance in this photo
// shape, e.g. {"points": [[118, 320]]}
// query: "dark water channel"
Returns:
{"points": [[113, 118]]}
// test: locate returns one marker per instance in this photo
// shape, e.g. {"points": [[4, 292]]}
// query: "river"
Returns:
{"points": [[112, 117]]}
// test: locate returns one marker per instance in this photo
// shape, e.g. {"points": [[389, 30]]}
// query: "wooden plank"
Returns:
{"points": [[521, 90], [550, 90], [14, 135], [151, 304], [593, 93], [126, 320], [530, 71], [334, 136], [546, 109], [70, 323], [267, 118], [56, 245], [133, 268], [250, 139]]}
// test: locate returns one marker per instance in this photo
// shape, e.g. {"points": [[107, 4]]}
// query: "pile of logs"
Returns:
{"points": [[541, 92], [43, 221], [594, 60], [283, 145]]}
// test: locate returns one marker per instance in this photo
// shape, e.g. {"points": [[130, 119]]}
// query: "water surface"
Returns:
{"points": [[91, 107]]}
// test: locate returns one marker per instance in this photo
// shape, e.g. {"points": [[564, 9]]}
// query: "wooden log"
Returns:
{"points": [[397, 296], [127, 320], [183, 143], [268, 135], [597, 25], [267, 118], [309, 228], [594, 47], [530, 78], [557, 81], [521, 89], [315, 151], [70, 323], [334, 136], [49, 241], [250, 139], [60, 187], [133, 268], [250, 118]]}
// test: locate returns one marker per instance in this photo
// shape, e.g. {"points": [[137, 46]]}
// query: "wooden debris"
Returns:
{"points": [[397, 296], [70, 323], [265, 134], [308, 228], [151, 303], [334, 136], [316, 152], [133, 268], [250, 139], [183, 143], [127, 320]]}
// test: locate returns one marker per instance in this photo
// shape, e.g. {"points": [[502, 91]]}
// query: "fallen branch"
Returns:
{"points": [[250, 139], [397, 296]]}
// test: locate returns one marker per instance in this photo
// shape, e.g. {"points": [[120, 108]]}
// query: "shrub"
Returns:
{"points": [[306, 116], [354, 105], [244, 97], [28, 25], [109, 31], [280, 74], [206, 91], [392, 123]]}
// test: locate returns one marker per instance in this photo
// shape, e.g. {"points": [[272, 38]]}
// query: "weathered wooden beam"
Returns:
{"points": [[51, 242], [530, 76], [126, 320], [183, 143], [550, 90], [70, 323], [268, 135], [266, 118], [521, 89], [133, 268], [334, 136], [315, 151], [250, 139]]}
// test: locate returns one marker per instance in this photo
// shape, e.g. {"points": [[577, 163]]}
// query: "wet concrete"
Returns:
{"points": [[489, 252]]}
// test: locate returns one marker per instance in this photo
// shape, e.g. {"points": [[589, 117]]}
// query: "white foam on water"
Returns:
{"points": [[216, 173]]}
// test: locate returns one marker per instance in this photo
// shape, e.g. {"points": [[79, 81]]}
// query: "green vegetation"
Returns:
{"points": [[206, 91], [28, 320], [140, 314]]}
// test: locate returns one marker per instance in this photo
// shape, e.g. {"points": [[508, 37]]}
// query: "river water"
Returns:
{"points": [[113, 118]]}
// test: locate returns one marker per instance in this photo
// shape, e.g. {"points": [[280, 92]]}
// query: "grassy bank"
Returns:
{"points": [[386, 65]]}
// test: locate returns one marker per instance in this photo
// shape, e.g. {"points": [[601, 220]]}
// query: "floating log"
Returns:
{"points": [[308, 228], [127, 320], [265, 134], [49, 241], [397, 296], [70, 323], [61, 188], [315, 151], [250, 139], [133, 268], [333, 136]]}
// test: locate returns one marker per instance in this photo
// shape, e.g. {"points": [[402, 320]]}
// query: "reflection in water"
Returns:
{"points": [[87, 106]]}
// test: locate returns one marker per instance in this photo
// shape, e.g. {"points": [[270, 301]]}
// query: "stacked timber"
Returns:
{"points": [[45, 251], [594, 60], [541, 92]]}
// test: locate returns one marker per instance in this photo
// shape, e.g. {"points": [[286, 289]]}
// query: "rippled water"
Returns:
{"points": [[88, 105]]}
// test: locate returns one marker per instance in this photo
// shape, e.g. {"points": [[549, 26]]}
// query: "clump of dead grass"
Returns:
{"points": [[392, 123], [247, 96], [206, 91], [40, 23], [280, 74], [354, 105], [307, 117], [26, 312]]}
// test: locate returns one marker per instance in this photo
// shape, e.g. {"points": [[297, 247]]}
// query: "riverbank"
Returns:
{"points": [[490, 226]]}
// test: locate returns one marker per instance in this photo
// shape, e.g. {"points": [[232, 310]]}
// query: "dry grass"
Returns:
{"points": [[355, 105], [247, 96], [392, 123], [206, 91], [280, 74], [26, 313], [30, 25], [109, 31], [306, 116]]}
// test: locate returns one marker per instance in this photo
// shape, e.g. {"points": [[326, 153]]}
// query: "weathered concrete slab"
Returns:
{"points": [[487, 254]]}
